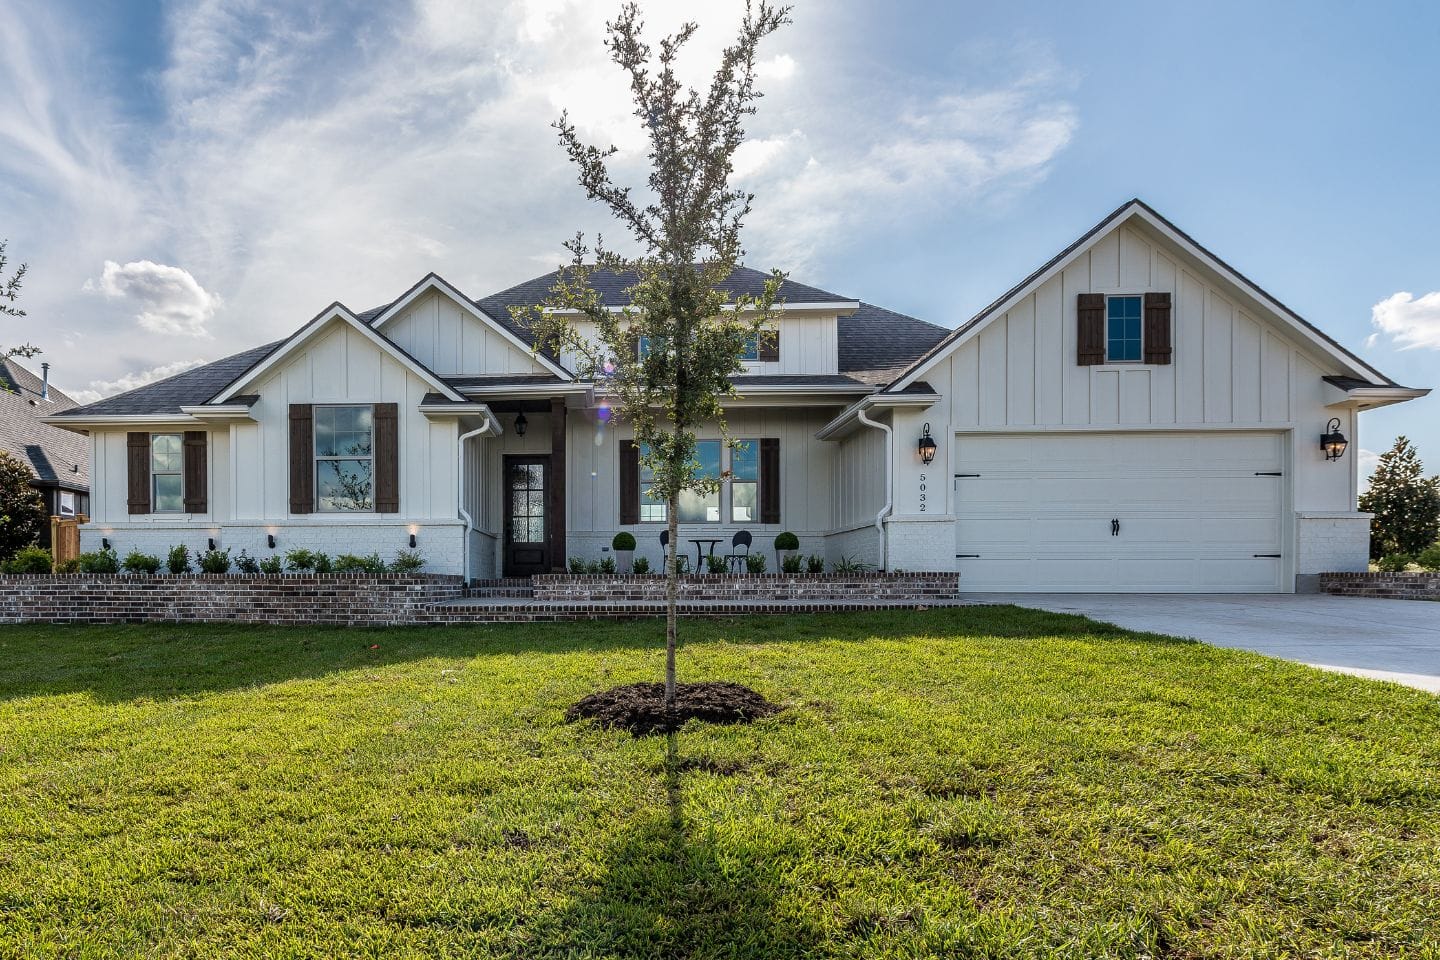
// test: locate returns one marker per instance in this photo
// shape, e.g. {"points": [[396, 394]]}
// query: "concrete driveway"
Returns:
{"points": [[1396, 640]]}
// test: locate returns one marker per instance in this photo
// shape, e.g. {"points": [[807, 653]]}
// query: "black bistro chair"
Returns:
{"points": [[735, 560]]}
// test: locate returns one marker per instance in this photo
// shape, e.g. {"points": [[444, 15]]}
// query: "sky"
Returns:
{"points": [[189, 179]]}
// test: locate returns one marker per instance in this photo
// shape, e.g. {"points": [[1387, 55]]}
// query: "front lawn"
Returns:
{"points": [[969, 782]]}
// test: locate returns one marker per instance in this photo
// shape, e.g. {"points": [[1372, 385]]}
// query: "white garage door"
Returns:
{"points": [[1108, 513]]}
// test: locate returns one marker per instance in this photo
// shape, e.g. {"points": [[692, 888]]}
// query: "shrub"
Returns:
{"points": [[215, 561], [1393, 562], [30, 560], [787, 541], [791, 564], [1406, 503], [623, 541], [755, 563], [407, 561], [682, 564], [350, 563], [640, 565], [814, 564], [271, 566], [1429, 558], [605, 565], [306, 561], [850, 565], [576, 565], [101, 561], [247, 564], [22, 509], [69, 566], [714, 564], [137, 562], [178, 561]]}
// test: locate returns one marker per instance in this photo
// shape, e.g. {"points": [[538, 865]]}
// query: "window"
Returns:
{"points": [[642, 348], [167, 483], [745, 482], [752, 348], [695, 507], [67, 504], [1122, 329], [344, 459]]}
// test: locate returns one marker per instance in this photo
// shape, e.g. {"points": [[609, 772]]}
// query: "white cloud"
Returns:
{"points": [[780, 67], [1408, 322], [1367, 461], [99, 389], [167, 299]]}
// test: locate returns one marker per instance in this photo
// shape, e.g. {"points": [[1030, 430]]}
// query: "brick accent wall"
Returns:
{"points": [[1386, 586], [294, 599], [766, 587]]}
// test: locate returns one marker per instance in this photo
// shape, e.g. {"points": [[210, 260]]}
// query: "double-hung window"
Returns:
{"points": [[344, 458], [745, 481], [695, 506], [1122, 329], [167, 479]]}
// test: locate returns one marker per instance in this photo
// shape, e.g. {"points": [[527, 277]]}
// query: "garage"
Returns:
{"points": [[1137, 512]]}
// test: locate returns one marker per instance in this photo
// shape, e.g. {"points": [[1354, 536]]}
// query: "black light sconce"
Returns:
{"points": [[270, 540], [520, 424], [104, 543], [927, 446], [1333, 442], [412, 541], [211, 542]]}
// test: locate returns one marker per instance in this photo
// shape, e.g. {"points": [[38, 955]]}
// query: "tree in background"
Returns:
{"points": [[22, 509], [665, 362], [1406, 503], [9, 292]]}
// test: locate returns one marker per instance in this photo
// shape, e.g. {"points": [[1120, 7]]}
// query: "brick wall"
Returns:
{"points": [[783, 586], [1388, 586], [341, 599]]}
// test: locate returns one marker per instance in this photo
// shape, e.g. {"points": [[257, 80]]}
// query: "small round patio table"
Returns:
{"points": [[698, 553]]}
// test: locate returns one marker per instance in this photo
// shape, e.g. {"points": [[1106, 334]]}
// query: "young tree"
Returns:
{"points": [[9, 291], [1405, 502], [22, 509], [665, 362]]}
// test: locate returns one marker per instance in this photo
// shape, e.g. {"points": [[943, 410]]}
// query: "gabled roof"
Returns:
{"points": [[876, 344], [1137, 208], [56, 457]]}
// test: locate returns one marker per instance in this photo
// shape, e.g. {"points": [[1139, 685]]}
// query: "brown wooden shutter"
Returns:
{"points": [[629, 482], [1157, 328], [302, 458], [387, 458], [137, 447], [196, 476], [1090, 319], [769, 346], [769, 480]]}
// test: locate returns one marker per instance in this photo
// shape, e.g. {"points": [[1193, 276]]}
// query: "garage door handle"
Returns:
{"points": [[1267, 473], [959, 475], [967, 556], [1269, 556]]}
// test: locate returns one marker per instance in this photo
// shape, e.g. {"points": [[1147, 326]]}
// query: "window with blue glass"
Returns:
{"points": [[1122, 329]]}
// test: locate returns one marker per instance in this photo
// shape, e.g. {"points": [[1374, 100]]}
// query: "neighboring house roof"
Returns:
{"points": [[876, 344], [56, 457], [166, 397]]}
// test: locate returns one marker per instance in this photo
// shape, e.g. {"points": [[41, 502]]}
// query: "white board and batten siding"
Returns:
{"points": [[451, 341]]}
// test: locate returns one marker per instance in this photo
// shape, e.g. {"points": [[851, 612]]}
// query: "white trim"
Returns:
{"points": [[83, 424], [433, 410], [839, 426], [1368, 398], [335, 312], [435, 282], [1135, 209], [568, 388], [234, 411]]}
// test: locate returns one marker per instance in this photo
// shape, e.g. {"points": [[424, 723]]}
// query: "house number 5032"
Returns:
{"points": [[923, 506]]}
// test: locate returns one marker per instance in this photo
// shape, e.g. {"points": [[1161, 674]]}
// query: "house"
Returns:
{"points": [[1134, 416], [59, 460]]}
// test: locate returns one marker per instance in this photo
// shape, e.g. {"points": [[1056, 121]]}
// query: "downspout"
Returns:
{"points": [[465, 514], [889, 482]]}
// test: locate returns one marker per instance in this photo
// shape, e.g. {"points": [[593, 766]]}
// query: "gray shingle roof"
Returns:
{"points": [[182, 390], [55, 456], [876, 344], [794, 380]]}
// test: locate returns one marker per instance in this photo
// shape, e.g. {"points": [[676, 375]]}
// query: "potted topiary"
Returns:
{"points": [[624, 546], [787, 545]]}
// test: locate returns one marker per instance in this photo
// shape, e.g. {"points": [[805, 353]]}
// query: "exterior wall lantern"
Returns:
{"points": [[412, 541], [270, 540], [520, 424], [927, 446], [1333, 442]]}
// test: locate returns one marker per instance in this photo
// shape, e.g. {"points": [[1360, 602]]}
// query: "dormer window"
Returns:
{"points": [[763, 346]]}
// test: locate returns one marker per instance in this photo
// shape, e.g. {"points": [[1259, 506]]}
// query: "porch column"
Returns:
{"points": [[557, 484]]}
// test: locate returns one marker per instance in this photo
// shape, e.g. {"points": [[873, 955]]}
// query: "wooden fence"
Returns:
{"points": [[65, 538]]}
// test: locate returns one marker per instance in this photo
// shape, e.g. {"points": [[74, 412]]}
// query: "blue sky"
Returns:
{"points": [[189, 179]]}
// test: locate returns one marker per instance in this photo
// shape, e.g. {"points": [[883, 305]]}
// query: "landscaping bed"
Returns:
{"points": [[980, 781]]}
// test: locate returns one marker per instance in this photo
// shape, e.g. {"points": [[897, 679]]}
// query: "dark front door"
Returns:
{"points": [[527, 521]]}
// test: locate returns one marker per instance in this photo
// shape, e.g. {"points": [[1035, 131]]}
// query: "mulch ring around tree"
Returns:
{"points": [[640, 707]]}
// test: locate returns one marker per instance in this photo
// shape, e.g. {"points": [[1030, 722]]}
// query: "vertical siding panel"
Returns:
{"points": [[1190, 357], [1049, 351], [1164, 381], [992, 372], [1219, 360], [1274, 379], [1076, 379], [1246, 370], [1135, 266], [1105, 263], [1020, 363], [965, 385], [1105, 397], [1134, 404]]}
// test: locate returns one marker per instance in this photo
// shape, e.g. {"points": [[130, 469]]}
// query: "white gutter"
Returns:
{"points": [[889, 481], [490, 424]]}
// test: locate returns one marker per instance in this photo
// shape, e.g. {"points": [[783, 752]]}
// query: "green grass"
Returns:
{"points": [[971, 782]]}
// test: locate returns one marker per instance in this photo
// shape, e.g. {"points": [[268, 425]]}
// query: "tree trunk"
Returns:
{"points": [[672, 589]]}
